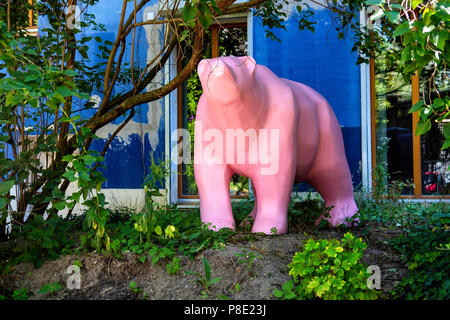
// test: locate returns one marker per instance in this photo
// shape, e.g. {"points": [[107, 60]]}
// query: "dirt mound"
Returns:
{"points": [[249, 269]]}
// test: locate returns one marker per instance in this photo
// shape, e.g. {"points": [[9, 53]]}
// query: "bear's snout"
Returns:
{"points": [[202, 68]]}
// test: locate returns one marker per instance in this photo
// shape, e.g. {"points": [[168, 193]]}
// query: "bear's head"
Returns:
{"points": [[227, 80]]}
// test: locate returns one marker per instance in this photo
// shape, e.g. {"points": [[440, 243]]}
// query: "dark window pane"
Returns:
{"points": [[435, 162], [232, 41], [393, 124]]}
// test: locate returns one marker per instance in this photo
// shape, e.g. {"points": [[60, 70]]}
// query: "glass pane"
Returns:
{"points": [[435, 162], [394, 155], [232, 41]]}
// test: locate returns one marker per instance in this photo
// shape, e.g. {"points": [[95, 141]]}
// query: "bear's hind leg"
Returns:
{"points": [[335, 187]]}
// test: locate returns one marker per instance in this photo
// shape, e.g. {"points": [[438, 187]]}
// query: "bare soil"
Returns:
{"points": [[107, 277]]}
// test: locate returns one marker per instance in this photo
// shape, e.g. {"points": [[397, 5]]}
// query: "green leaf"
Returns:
{"points": [[158, 230], [322, 289], [70, 175], [393, 16], [374, 2], [415, 3], [278, 293], [397, 6], [416, 107], [288, 286], [446, 144], [447, 130], [189, 14], [207, 268], [423, 126], [70, 73], [401, 29], [64, 91], [215, 280], [442, 37], [313, 284], [60, 205], [67, 158], [438, 103], [6, 186], [13, 99], [205, 15]]}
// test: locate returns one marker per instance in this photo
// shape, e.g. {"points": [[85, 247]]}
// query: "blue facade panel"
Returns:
{"points": [[128, 158], [323, 62]]}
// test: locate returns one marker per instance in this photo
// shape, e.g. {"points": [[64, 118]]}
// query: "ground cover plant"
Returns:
{"points": [[319, 262], [137, 255]]}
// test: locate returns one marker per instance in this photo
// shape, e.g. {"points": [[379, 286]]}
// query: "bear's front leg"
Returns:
{"points": [[213, 183], [273, 194]]}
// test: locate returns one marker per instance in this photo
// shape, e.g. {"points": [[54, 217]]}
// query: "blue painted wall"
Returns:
{"points": [[127, 160], [317, 59], [323, 62]]}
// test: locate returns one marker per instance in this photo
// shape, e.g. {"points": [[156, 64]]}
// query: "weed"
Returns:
{"points": [[50, 288], [247, 258], [137, 290], [174, 266], [204, 280], [21, 294], [44, 239], [304, 212]]}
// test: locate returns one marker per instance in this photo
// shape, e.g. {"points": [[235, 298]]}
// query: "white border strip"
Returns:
{"points": [[366, 136], [172, 125], [167, 131]]}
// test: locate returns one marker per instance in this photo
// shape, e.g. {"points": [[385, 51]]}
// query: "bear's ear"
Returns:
{"points": [[250, 63]]}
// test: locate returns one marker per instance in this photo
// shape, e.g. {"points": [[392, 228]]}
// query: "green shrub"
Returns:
{"points": [[307, 211], [174, 266], [21, 294], [43, 239], [424, 247], [330, 270]]}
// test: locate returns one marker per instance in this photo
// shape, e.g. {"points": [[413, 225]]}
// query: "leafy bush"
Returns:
{"points": [[330, 270], [307, 211], [43, 239], [424, 246], [21, 294]]}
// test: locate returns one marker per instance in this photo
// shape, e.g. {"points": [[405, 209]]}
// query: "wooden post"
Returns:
{"points": [[417, 165], [215, 41]]}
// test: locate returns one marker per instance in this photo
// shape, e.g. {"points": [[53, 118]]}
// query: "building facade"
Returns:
{"points": [[358, 94]]}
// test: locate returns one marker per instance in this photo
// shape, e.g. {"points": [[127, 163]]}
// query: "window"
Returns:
{"points": [[20, 14], [32, 19], [221, 40], [417, 162]]}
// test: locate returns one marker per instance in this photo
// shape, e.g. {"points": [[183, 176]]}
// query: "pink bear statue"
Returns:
{"points": [[276, 132]]}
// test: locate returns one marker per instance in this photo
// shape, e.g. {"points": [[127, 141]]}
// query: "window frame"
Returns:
{"points": [[416, 148], [32, 27], [181, 198]]}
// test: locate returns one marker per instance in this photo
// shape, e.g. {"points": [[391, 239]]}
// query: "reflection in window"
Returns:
{"points": [[393, 124], [435, 162], [232, 41]]}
